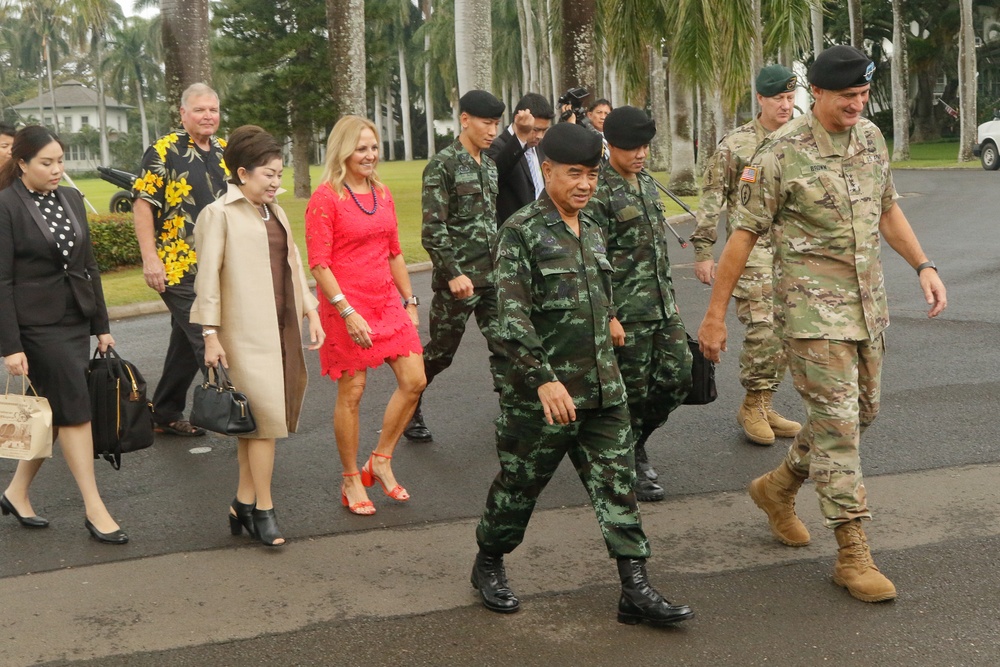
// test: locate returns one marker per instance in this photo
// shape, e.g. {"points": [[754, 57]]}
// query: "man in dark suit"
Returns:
{"points": [[515, 152]]}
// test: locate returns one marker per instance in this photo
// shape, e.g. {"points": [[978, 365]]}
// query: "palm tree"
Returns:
{"points": [[132, 63], [900, 85], [345, 20], [967, 82], [426, 7], [857, 24], [579, 18], [49, 22], [186, 41], [473, 45], [95, 18]]}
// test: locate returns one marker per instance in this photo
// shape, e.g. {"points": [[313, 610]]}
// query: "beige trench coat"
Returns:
{"points": [[234, 291]]}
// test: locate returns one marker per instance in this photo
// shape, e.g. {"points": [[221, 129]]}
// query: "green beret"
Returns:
{"points": [[480, 104], [841, 67], [774, 80], [569, 143], [628, 127]]}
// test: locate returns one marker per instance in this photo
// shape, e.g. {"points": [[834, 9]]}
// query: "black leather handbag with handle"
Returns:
{"points": [[219, 407], [121, 415]]}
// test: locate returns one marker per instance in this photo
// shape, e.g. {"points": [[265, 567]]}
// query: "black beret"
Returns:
{"points": [[569, 143], [774, 80], [840, 67], [481, 104], [628, 127]]}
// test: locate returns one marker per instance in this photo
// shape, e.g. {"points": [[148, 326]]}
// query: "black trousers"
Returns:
{"points": [[185, 355]]}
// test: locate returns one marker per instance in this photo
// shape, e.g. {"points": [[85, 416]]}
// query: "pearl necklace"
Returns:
{"points": [[363, 209], [266, 215]]}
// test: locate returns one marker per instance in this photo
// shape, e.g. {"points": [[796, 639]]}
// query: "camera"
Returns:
{"points": [[574, 97]]}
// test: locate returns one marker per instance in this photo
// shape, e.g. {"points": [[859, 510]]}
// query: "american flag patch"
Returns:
{"points": [[749, 175]]}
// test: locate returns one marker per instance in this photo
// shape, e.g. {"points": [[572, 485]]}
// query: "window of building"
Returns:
{"points": [[84, 121], [77, 153], [67, 124]]}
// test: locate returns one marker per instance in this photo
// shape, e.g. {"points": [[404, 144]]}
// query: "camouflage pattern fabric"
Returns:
{"points": [[825, 201], [530, 451], [840, 383], [448, 318], [762, 363], [553, 291], [459, 216]]}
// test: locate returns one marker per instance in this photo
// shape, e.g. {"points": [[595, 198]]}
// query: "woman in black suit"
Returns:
{"points": [[51, 302]]}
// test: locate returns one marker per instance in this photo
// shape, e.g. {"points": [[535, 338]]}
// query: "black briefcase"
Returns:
{"points": [[703, 389], [121, 416], [219, 407]]}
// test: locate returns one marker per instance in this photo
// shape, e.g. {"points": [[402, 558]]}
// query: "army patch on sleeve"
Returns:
{"points": [[745, 194], [749, 174]]}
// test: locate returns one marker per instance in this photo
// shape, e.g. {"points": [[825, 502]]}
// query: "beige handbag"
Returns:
{"points": [[25, 424]]}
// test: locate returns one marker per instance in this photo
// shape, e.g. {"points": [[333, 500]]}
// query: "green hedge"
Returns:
{"points": [[113, 238]]}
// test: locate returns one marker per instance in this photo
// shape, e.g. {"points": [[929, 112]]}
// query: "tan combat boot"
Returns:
{"points": [[775, 494], [855, 570], [753, 419], [783, 428]]}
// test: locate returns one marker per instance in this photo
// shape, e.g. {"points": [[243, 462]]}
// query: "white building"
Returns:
{"points": [[76, 108]]}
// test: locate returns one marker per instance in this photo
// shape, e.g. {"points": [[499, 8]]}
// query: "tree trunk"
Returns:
{"points": [[186, 33], [473, 45], [345, 20], [926, 124], [857, 25], [404, 104], [682, 180], [531, 84], [379, 128], [967, 83], [390, 120], [708, 101], [52, 88], [143, 123], [523, 29], [301, 148], [816, 21], [900, 86], [756, 55], [579, 70], [102, 107], [659, 154], [553, 57], [428, 97]]}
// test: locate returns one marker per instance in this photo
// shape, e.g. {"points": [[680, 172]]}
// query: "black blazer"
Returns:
{"points": [[34, 287], [516, 190]]}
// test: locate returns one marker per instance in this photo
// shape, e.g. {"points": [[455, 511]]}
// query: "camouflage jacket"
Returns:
{"points": [[554, 298], [719, 189], [178, 179], [822, 203], [460, 219], [637, 237]]}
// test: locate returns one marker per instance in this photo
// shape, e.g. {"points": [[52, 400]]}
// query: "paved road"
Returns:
{"points": [[184, 592]]}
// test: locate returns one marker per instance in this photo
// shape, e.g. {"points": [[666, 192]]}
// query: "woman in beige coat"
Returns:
{"points": [[245, 255]]}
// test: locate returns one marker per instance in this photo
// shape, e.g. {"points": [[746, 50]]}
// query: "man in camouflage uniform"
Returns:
{"points": [[762, 361], [822, 187], [182, 173], [646, 329], [563, 392], [459, 229]]}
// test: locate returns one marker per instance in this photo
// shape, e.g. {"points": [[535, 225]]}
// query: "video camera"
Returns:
{"points": [[574, 97]]}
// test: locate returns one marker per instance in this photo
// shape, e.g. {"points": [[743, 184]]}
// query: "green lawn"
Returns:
{"points": [[403, 179]]}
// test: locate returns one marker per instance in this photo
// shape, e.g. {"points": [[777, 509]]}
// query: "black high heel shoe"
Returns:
{"points": [[114, 537], [265, 525], [242, 519], [27, 521]]}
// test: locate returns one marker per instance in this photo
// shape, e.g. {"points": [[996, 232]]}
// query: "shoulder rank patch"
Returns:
{"points": [[749, 175]]}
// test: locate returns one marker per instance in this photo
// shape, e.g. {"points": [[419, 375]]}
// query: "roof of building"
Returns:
{"points": [[68, 95]]}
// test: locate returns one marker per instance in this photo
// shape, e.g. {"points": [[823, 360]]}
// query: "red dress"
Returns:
{"points": [[356, 247]]}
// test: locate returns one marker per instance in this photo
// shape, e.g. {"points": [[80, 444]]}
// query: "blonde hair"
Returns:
{"points": [[343, 140]]}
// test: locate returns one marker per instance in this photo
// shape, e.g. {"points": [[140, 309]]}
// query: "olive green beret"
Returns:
{"points": [[775, 79]]}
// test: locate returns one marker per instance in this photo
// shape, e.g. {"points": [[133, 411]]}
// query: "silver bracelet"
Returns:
{"points": [[347, 311], [337, 298], [205, 333]]}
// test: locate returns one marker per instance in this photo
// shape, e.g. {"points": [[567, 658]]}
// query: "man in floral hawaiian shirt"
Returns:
{"points": [[182, 173]]}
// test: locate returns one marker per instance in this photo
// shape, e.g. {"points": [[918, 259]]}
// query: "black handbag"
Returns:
{"points": [[219, 407], [121, 415], [703, 389]]}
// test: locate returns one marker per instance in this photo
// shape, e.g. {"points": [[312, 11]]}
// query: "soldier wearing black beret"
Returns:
{"points": [[563, 392]]}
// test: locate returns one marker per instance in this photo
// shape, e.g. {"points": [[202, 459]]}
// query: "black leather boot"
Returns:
{"points": [[489, 576], [416, 430], [640, 602], [646, 490], [642, 464]]}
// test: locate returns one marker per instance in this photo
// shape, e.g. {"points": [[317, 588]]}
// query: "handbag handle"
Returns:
{"points": [[221, 381], [25, 385]]}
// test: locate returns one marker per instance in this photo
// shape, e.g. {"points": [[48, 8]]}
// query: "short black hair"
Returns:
{"points": [[600, 102], [250, 146], [537, 105], [7, 129]]}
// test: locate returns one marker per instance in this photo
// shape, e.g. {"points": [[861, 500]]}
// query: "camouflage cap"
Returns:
{"points": [[774, 80], [840, 67]]}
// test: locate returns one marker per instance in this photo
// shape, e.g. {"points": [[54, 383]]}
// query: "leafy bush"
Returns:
{"points": [[114, 241]]}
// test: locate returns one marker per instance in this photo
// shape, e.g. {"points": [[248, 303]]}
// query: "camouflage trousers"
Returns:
{"points": [[840, 383], [448, 317], [655, 363], [530, 451], [762, 360]]}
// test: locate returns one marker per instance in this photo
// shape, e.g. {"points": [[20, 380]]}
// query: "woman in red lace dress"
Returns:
{"points": [[366, 303]]}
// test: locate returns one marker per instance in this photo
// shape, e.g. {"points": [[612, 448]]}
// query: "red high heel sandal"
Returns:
{"points": [[368, 478], [363, 508]]}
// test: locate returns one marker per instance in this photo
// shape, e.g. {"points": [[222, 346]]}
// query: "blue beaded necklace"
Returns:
{"points": [[363, 209]]}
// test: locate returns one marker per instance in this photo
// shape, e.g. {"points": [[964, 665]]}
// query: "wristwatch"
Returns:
{"points": [[926, 265], [415, 300]]}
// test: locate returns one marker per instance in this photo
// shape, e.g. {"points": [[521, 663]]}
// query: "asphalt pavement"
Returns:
{"points": [[393, 588]]}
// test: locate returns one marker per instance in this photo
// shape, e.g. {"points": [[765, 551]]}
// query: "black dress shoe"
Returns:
{"points": [[416, 430], [116, 537], [27, 521], [490, 578], [640, 603], [243, 518], [265, 525], [648, 491]]}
